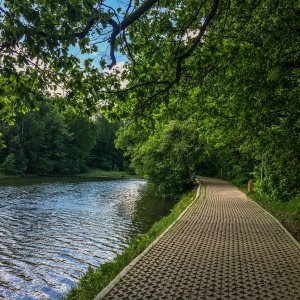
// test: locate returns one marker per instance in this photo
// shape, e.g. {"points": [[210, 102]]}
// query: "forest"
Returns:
{"points": [[49, 142], [208, 87]]}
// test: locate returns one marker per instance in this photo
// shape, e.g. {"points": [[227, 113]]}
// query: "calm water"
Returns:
{"points": [[52, 229]]}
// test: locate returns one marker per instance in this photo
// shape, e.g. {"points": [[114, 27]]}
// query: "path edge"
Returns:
{"points": [[118, 278], [274, 218]]}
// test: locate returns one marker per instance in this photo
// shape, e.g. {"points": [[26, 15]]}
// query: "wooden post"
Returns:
{"points": [[250, 186]]}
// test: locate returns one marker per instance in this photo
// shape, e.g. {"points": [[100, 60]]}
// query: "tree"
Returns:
{"points": [[241, 87], [9, 165], [168, 156], [104, 154], [231, 69], [83, 133], [46, 141], [36, 38], [12, 155]]}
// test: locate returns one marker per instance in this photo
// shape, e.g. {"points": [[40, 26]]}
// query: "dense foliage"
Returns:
{"points": [[167, 157], [239, 86], [208, 86], [48, 142]]}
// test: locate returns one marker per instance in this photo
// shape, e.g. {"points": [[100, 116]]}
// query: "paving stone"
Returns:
{"points": [[224, 247]]}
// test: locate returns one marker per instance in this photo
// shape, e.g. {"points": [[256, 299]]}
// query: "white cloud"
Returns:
{"points": [[119, 67]]}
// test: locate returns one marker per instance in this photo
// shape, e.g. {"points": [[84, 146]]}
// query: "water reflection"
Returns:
{"points": [[52, 229]]}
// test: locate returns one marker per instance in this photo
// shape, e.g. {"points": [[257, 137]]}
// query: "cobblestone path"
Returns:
{"points": [[224, 247]]}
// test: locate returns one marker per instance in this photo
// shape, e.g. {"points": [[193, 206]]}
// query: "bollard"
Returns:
{"points": [[250, 186]]}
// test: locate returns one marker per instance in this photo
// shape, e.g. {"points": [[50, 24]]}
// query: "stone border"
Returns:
{"points": [[118, 278]]}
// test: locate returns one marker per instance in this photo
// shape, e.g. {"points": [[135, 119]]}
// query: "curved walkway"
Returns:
{"points": [[224, 247]]}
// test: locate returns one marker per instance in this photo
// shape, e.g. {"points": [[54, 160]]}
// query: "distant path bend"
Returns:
{"points": [[224, 247]]}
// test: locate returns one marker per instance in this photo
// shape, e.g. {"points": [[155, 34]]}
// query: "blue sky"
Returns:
{"points": [[102, 47]]}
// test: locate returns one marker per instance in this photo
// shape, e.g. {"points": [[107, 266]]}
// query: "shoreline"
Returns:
{"points": [[91, 174], [95, 280]]}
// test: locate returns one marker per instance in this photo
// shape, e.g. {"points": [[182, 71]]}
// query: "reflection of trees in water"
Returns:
{"points": [[59, 226], [149, 208]]}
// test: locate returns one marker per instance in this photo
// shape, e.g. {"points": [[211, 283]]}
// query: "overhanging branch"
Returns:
{"points": [[178, 71], [86, 30], [187, 54], [117, 28], [196, 41]]}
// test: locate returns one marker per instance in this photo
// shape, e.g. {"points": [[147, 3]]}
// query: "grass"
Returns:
{"points": [[90, 173], [102, 173], [2, 175], [96, 279], [287, 213]]}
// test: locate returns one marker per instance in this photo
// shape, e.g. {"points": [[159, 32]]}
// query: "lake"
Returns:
{"points": [[52, 229]]}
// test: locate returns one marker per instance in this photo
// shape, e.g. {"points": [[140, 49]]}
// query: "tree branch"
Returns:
{"points": [[3, 46], [138, 86], [4, 11], [86, 30], [190, 51], [196, 42], [117, 28]]}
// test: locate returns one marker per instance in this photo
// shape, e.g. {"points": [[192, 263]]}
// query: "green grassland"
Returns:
{"points": [[102, 173]]}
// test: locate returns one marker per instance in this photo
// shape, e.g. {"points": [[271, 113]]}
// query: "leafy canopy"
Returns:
{"points": [[232, 68]]}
